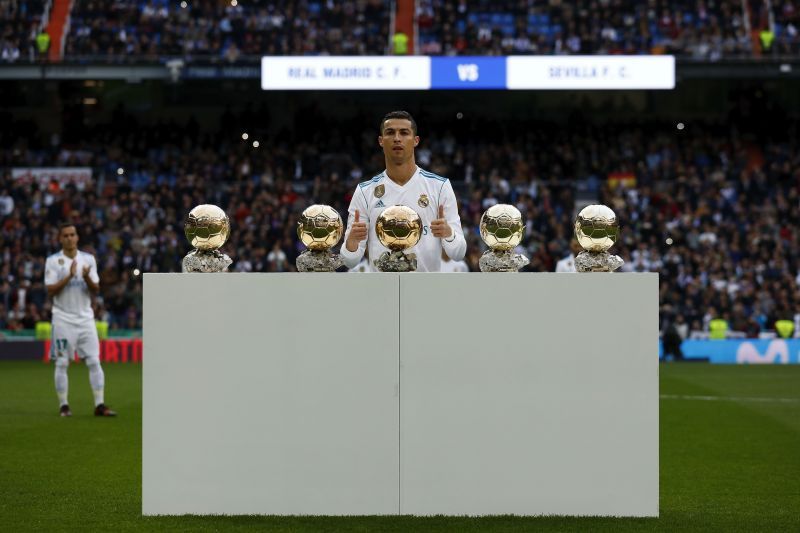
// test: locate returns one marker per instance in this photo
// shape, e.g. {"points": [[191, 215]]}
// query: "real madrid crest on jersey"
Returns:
{"points": [[423, 200], [379, 190], [60, 260]]}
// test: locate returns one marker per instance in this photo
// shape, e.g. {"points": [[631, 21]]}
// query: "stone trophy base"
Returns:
{"points": [[597, 262], [205, 261], [502, 261], [397, 261], [318, 261]]}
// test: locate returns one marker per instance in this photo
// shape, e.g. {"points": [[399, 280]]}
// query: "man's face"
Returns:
{"points": [[68, 237], [398, 140]]}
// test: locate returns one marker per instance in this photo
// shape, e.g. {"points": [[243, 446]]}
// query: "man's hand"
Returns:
{"points": [[358, 232], [91, 285], [440, 227], [56, 287]]}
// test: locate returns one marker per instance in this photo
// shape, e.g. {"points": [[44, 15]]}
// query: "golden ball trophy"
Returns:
{"points": [[597, 230], [206, 228], [502, 230], [398, 228], [319, 228]]}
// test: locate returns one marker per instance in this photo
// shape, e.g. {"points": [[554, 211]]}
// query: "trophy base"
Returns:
{"points": [[397, 262], [597, 262], [318, 261], [205, 261], [501, 261]]}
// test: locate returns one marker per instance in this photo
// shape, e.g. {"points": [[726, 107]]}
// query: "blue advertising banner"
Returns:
{"points": [[745, 351], [468, 72]]}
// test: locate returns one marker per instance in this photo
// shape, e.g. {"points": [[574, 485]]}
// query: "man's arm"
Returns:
{"points": [[93, 285], [55, 288], [357, 232], [455, 246]]}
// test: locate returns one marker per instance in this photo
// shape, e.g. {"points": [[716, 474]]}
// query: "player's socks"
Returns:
{"points": [[97, 379], [98, 397], [62, 384]]}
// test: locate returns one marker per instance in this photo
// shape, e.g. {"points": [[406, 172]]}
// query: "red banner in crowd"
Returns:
{"points": [[112, 351]]}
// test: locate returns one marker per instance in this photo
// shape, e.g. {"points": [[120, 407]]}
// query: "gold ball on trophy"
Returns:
{"points": [[319, 227], [596, 228], [398, 227], [501, 227], [207, 227]]}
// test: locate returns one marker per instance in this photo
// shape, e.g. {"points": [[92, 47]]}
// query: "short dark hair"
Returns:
{"points": [[67, 225], [399, 114]]}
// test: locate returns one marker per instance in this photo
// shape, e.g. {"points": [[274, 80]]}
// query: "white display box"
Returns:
{"points": [[333, 394]]}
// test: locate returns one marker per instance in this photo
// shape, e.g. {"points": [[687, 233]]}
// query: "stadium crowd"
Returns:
{"points": [[714, 210], [142, 30], [703, 30], [234, 31], [20, 25]]}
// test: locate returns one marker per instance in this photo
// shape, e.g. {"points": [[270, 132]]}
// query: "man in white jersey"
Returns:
{"points": [[404, 183], [567, 264], [363, 265], [71, 278]]}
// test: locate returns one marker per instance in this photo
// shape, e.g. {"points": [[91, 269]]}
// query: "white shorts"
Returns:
{"points": [[67, 338]]}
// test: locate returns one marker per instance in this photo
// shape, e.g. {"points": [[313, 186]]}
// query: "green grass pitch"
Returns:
{"points": [[730, 460]]}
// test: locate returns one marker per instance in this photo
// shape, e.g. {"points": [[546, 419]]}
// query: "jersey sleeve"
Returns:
{"points": [[50, 272], [456, 245], [359, 203], [93, 275]]}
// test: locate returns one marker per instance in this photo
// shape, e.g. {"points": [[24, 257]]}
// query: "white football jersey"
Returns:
{"points": [[454, 266], [362, 266], [566, 265], [74, 302], [423, 193]]}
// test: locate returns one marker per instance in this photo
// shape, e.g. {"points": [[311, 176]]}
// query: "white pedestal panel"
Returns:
{"points": [[529, 394], [270, 394]]}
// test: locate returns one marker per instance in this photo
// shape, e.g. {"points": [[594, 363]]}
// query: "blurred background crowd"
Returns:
{"points": [[713, 207], [233, 31]]}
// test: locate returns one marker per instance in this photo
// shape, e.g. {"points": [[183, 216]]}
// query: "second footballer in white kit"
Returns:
{"points": [[71, 278], [404, 183]]}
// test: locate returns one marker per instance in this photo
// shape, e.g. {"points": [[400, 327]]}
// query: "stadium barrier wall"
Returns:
{"points": [[379, 394], [111, 350], [740, 351]]}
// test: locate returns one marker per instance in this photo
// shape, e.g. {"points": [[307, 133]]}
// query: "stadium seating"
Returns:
{"points": [[139, 30], [20, 23], [147, 31], [708, 31]]}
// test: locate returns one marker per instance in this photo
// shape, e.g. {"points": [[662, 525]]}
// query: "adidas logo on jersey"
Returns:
{"points": [[380, 204]]}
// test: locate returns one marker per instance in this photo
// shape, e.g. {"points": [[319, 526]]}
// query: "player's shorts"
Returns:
{"points": [[67, 338]]}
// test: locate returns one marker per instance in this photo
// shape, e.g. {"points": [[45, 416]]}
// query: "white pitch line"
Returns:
{"points": [[727, 398]]}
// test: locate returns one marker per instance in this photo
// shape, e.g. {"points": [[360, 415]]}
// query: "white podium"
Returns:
{"points": [[378, 394]]}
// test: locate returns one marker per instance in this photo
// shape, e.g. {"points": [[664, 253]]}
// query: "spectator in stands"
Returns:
{"points": [[400, 43], [42, 44], [672, 342]]}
